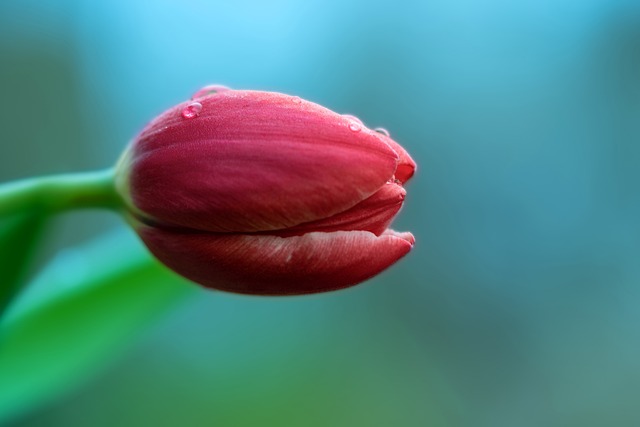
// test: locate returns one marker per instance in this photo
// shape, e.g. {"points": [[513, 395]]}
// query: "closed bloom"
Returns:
{"points": [[265, 193]]}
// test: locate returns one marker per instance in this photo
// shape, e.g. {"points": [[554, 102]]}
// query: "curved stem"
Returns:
{"points": [[58, 193]]}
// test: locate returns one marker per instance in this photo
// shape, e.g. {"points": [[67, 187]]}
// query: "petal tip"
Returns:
{"points": [[405, 235]]}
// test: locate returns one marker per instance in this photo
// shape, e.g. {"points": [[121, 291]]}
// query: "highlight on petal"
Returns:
{"points": [[273, 265], [254, 161]]}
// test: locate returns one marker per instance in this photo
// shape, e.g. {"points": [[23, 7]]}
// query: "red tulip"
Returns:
{"points": [[264, 193]]}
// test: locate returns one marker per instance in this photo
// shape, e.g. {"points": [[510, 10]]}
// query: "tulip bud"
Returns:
{"points": [[264, 193]]}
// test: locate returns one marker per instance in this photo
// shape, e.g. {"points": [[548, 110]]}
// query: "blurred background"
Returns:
{"points": [[519, 305]]}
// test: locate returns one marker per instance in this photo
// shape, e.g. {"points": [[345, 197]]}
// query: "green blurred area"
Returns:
{"points": [[519, 304]]}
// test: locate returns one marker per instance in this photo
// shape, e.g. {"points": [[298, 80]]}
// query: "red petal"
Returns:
{"points": [[254, 161], [373, 214], [272, 265], [406, 165]]}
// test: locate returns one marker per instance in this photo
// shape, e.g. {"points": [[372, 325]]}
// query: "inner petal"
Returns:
{"points": [[373, 214]]}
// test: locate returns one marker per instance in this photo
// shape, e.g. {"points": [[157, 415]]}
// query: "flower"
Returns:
{"points": [[264, 193]]}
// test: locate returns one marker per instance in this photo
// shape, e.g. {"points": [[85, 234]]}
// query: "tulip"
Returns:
{"points": [[264, 193]]}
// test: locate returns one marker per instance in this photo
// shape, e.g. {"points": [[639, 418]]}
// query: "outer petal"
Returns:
{"points": [[254, 161], [373, 214], [271, 265]]}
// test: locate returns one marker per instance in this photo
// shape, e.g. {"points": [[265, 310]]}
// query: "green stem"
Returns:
{"points": [[29, 202], [53, 194]]}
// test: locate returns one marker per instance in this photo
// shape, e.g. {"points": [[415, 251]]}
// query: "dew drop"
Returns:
{"points": [[353, 118], [297, 99], [355, 127], [208, 90], [192, 110], [382, 131]]}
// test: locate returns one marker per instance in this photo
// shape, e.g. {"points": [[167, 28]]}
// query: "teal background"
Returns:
{"points": [[519, 305]]}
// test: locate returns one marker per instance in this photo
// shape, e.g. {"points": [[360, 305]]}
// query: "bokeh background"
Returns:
{"points": [[520, 305]]}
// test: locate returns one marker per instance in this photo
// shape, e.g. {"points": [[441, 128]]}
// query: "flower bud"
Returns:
{"points": [[264, 193]]}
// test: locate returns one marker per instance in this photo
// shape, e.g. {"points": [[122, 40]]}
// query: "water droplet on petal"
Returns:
{"points": [[297, 99], [192, 110], [353, 118], [382, 131], [208, 90], [355, 127]]}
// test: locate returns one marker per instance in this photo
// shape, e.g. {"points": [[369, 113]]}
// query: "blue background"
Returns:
{"points": [[519, 305]]}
